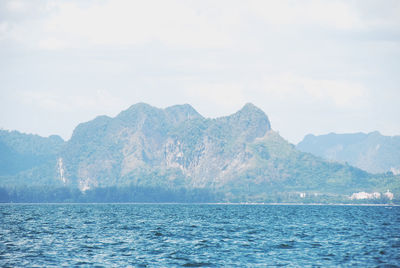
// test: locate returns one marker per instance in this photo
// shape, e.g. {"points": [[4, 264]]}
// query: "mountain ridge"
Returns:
{"points": [[237, 158], [372, 151]]}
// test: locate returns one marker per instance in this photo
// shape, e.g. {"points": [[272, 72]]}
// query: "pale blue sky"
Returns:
{"points": [[312, 66]]}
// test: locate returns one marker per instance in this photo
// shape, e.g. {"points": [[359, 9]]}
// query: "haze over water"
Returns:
{"points": [[198, 235]]}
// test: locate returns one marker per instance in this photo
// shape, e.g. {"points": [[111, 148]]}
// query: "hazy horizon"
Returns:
{"points": [[312, 66]]}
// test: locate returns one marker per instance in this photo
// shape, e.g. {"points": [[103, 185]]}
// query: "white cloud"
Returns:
{"points": [[132, 23], [16, 6], [336, 14], [229, 96], [3, 29], [182, 24], [340, 93], [52, 44], [100, 101]]}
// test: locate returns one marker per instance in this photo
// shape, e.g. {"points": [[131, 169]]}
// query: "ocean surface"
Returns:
{"points": [[198, 235]]}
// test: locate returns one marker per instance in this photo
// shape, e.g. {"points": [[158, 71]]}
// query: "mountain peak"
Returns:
{"points": [[136, 109], [180, 113], [251, 109], [250, 106], [251, 121], [186, 109], [140, 106], [375, 133], [250, 112]]}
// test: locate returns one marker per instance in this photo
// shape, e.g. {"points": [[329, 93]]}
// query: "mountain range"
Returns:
{"points": [[372, 152], [147, 154]]}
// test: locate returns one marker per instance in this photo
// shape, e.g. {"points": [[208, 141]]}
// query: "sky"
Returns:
{"points": [[311, 66]]}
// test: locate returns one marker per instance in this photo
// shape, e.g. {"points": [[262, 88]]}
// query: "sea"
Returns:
{"points": [[195, 235]]}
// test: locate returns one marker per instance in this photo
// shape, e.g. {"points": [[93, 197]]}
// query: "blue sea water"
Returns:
{"points": [[198, 235]]}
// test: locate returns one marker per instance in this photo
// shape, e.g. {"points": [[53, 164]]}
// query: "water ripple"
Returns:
{"points": [[198, 235]]}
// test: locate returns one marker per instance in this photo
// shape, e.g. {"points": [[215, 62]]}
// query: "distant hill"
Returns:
{"points": [[372, 152], [149, 154], [21, 155]]}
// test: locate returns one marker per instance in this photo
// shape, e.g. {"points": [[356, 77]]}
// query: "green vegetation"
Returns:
{"points": [[372, 152], [176, 155], [21, 152]]}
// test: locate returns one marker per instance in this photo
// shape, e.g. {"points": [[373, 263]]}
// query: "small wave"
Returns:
{"points": [[158, 234], [316, 245], [397, 245], [272, 236], [284, 246], [197, 264], [90, 247], [83, 263]]}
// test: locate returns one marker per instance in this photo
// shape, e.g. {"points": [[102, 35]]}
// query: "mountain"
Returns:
{"points": [[27, 156], [175, 154], [372, 152]]}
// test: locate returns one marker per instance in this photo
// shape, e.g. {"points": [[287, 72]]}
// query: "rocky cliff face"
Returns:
{"points": [[238, 157], [198, 152]]}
